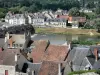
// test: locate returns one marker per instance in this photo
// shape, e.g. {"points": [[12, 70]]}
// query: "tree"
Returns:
{"points": [[33, 8], [2, 15], [14, 9], [74, 12], [90, 5], [23, 9], [97, 10]]}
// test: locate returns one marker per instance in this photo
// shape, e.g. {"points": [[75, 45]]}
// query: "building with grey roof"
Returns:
{"points": [[77, 58], [15, 19], [84, 58], [11, 61], [57, 22], [19, 41]]}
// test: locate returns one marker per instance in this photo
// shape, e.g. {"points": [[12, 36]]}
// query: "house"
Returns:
{"points": [[30, 18], [93, 58], [84, 58], [19, 41], [50, 68], [62, 16], [15, 19], [38, 20], [42, 51], [86, 10], [77, 58], [57, 22], [11, 62], [74, 21]]}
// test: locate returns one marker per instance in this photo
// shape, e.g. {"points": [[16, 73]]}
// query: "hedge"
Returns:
{"points": [[81, 72]]}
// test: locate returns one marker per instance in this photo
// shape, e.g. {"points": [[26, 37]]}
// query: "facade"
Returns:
{"points": [[10, 62], [19, 41], [38, 20], [56, 23], [15, 19], [74, 21]]}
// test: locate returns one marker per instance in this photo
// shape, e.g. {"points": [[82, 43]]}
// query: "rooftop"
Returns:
{"points": [[7, 57], [49, 68], [44, 51], [56, 53], [38, 51]]}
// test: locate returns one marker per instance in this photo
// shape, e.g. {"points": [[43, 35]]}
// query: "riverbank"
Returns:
{"points": [[66, 31]]}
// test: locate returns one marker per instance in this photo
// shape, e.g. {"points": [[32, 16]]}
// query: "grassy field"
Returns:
{"points": [[66, 31]]}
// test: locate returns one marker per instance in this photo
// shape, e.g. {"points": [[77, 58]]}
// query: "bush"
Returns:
{"points": [[80, 72], [17, 30], [84, 42]]}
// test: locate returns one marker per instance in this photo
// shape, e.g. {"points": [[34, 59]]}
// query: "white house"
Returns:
{"points": [[56, 23], [38, 20], [15, 19]]}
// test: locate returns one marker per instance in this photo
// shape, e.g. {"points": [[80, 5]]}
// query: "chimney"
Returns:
{"points": [[15, 58], [96, 54], [11, 41]]}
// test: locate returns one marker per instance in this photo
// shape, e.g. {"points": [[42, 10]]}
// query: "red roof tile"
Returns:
{"points": [[49, 68], [79, 19], [63, 16], [52, 53], [38, 51], [56, 53]]}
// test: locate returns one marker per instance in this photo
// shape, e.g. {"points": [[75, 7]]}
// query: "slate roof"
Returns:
{"points": [[49, 68], [39, 16], [34, 67], [80, 54], [77, 57], [17, 16], [2, 42], [7, 57], [56, 20], [93, 47], [96, 65]]}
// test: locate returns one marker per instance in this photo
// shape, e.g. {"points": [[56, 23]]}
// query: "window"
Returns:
{"points": [[21, 45], [6, 72], [16, 45]]}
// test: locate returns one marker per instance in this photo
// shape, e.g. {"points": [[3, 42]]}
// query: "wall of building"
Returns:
{"points": [[11, 70]]}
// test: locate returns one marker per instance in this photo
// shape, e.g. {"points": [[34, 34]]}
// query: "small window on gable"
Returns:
{"points": [[21, 45]]}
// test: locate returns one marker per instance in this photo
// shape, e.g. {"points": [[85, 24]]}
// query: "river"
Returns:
{"points": [[59, 39]]}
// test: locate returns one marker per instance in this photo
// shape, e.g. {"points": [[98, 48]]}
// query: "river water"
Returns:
{"points": [[59, 39]]}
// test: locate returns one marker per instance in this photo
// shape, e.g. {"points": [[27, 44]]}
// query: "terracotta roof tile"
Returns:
{"points": [[52, 53], [38, 51], [56, 53], [49, 68]]}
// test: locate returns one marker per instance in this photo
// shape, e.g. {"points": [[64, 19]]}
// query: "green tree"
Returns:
{"points": [[90, 5], [23, 9], [33, 8], [97, 10], [14, 9], [74, 12], [2, 15]]}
